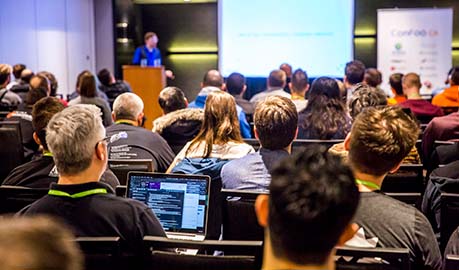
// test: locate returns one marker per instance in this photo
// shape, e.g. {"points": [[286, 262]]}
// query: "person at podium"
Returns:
{"points": [[149, 54]]}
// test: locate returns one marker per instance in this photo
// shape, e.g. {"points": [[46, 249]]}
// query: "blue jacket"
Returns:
{"points": [[142, 52]]}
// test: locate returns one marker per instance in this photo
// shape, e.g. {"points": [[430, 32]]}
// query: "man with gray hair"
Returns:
{"points": [[133, 141], [76, 137]]}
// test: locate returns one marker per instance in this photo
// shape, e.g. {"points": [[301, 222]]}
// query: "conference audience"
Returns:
{"points": [[277, 80], [354, 73], [440, 89], [76, 137], [299, 85], [129, 140], [40, 81], [41, 171], [111, 86], [38, 243], [76, 93], [8, 99], [450, 96], [395, 82], [325, 117], [372, 77], [87, 88], [377, 144], [17, 69], [219, 137], [53, 86], [421, 108], [179, 124], [276, 121], [235, 85], [308, 212], [287, 68], [213, 81]]}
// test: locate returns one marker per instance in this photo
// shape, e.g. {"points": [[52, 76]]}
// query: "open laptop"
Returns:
{"points": [[180, 201]]}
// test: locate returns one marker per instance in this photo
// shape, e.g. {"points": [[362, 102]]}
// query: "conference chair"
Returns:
{"points": [[249, 254], [253, 142], [14, 198], [413, 199], [408, 179], [120, 191], [451, 262], [449, 217], [239, 218], [12, 151], [372, 258], [3, 115], [449, 110], [444, 153], [121, 167], [298, 144], [102, 253]]}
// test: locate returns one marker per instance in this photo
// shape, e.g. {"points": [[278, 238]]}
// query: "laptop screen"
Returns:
{"points": [[179, 201]]}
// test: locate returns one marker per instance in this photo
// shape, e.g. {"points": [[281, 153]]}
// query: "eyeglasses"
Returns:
{"points": [[106, 140]]}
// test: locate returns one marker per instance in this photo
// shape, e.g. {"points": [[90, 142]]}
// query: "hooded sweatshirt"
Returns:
{"points": [[449, 97]]}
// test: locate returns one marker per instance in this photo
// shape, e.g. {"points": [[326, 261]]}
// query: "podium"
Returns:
{"points": [[147, 82]]}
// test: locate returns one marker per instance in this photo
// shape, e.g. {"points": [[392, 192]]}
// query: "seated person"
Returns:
{"points": [[372, 78], [276, 121], [8, 99], [235, 85], [134, 141], [88, 95], [276, 82], [76, 93], [41, 172], [38, 243], [53, 86], [325, 117], [452, 248], [110, 86], [17, 70], [450, 96], [354, 73], [24, 117], [419, 107], [179, 124], [219, 137], [76, 137], [395, 81], [312, 200], [213, 81], [298, 88], [365, 96], [377, 144]]}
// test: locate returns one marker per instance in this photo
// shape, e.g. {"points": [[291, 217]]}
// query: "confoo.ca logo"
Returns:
{"points": [[398, 46], [414, 32]]}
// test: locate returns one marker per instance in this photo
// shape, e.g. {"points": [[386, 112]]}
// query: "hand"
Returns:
{"points": [[170, 74]]}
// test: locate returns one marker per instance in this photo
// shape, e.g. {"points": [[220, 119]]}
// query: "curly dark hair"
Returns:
{"points": [[325, 117]]}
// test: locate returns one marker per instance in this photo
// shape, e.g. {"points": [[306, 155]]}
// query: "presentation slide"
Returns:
{"points": [[257, 36]]}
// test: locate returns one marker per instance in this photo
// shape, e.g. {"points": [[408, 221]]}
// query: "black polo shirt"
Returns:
{"points": [[90, 209]]}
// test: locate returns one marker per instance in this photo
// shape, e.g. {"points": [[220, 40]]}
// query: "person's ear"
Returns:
{"points": [[140, 119], [262, 210], [202, 85], [244, 89], [290, 85], [223, 87], [113, 117], [296, 133], [349, 232], [307, 87], [347, 142], [255, 132], [186, 102], [36, 139], [101, 151], [396, 167]]}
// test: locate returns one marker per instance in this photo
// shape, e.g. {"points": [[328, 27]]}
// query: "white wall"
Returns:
{"points": [[52, 35], [105, 51]]}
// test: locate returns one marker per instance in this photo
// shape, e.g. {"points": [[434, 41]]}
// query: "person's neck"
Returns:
{"points": [[150, 47], [126, 121], [413, 94], [271, 262], [298, 95], [364, 177], [84, 177]]}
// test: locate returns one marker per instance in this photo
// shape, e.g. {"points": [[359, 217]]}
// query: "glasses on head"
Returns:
{"points": [[106, 140]]}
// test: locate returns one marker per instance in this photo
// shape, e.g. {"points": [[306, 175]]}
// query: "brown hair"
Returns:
{"points": [[42, 113], [87, 85], [37, 243], [412, 80], [220, 125], [276, 122], [148, 35], [372, 77], [277, 78], [380, 139]]}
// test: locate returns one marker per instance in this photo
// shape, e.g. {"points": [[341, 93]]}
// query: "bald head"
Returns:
{"points": [[213, 78], [128, 106], [411, 83], [287, 68], [26, 75]]}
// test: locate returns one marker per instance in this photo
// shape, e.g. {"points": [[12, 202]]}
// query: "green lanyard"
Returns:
{"points": [[127, 122], [47, 154], [79, 194], [367, 184]]}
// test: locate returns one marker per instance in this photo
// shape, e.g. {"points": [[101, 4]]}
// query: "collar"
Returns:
{"points": [[368, 184], [47, 153], [79, 190], [208, 89], [295, 97], [126, 122]]}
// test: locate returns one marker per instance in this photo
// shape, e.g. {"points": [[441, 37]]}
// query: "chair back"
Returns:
{"points": [[408, 179], [249, 254], [298, 144], [449, 217], [451, 262], [101, 253], [413, 199], [121, 167], [239, 217], [373, 258], [13, 198], [449, 110], [120, 191], [12, 151]]}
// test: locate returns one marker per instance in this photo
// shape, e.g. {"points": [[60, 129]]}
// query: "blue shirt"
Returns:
{"points": [[200, 101], [251, 172], [143, 52]]}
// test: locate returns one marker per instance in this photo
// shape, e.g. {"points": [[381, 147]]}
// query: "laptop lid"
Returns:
{"points": [[180, 201]]}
